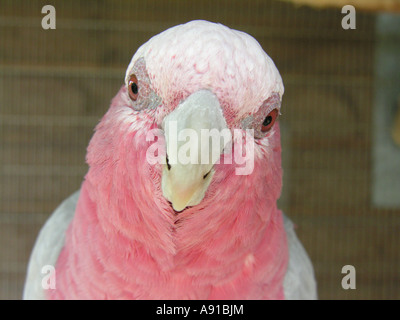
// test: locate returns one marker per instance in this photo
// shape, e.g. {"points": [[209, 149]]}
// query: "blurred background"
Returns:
{"points": [[340, 122]]}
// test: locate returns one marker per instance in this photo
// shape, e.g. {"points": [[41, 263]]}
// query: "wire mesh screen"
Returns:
{"points": [[56, 84]]}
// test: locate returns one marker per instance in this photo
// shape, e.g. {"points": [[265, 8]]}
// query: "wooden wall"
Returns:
{"points": [[56, 84], [370, 5]]}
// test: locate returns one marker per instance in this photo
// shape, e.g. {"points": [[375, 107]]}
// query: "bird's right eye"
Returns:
{"points": [[133, 87]]}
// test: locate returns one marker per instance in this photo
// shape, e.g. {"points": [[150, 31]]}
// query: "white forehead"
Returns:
{"points": [[201, 54]]}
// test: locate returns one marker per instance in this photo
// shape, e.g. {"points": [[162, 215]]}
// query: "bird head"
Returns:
{"points": [[195, 96]]}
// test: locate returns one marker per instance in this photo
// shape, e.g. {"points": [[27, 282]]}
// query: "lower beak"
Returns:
{"points": [[195, 135]]}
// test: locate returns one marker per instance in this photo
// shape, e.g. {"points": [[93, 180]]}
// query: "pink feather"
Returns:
{"points": [[126, 241]]}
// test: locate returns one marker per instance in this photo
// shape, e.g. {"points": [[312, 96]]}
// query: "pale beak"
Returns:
{"points": [[195, 134]]}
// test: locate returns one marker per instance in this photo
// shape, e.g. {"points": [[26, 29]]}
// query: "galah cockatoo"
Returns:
{"points": [[147, 222]]}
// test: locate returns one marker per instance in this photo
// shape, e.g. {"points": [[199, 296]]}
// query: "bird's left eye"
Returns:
{"points": [[133, 87], [269, 120]]}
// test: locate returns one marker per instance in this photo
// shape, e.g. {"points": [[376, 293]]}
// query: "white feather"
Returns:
{"points": [[48, 247], [299, 282]]}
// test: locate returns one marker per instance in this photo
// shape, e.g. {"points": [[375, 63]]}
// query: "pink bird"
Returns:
{"points": [[148, 225]]}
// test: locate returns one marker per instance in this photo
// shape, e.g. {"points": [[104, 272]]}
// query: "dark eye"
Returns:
{"points": [[133, 87], [269, 120]]}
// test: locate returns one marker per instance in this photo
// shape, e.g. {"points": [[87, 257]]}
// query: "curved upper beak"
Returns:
{"points": [[195, 134]]}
